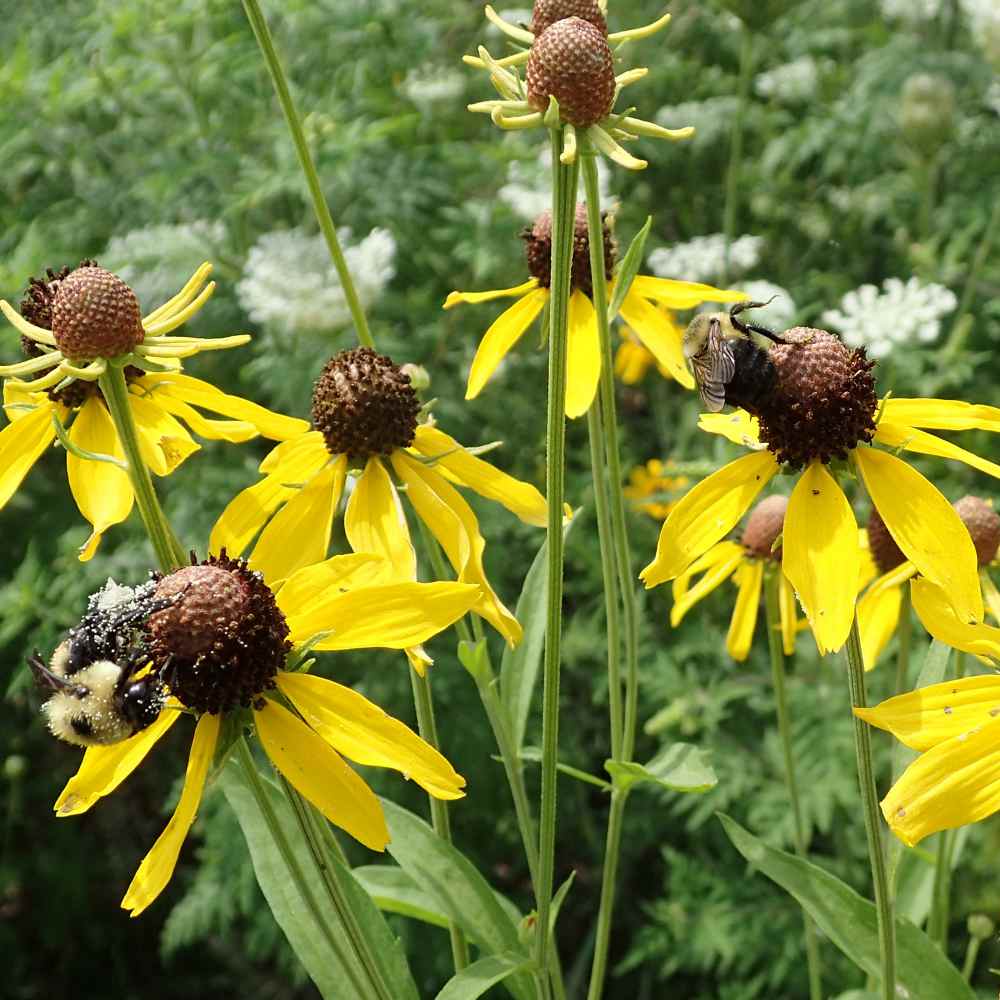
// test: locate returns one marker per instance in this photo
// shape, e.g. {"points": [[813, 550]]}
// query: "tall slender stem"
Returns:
{"points": [[168, 550], [266, 43], [564, 180], [602, 936], [736, 143], [904, 634], [772, 582], [439, 810], [869, 797]]}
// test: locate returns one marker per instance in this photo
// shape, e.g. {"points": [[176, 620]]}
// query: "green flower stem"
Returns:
{"points": [[959, 328], [772, 581], [439, 810], [904, 634], [564, 180], [869, 797], [971, 954], [736, 143], [612, 850], [168, 550], [266, 43], [295, 872]]}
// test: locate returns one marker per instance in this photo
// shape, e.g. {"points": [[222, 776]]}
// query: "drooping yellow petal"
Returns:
{"points": [[392, 616], [299, 534], [632, 360], [956, 783], [21, 445], [104, 768], [374, 520], [738, 426], [925, 527], [707, 513], [941, 414], [936, 612], [454, 298], [749, 577], [520, 498], [233, 431], [361, 731], [317, 772], [820, 555], [718, 564], [502, 335], [309, 586], [681, 294], [878, 615], [158, 865], [163, 441], [102, 491], [583, 355], [786, 608], [19, 399], [289, 455], [910, 439], [453, 523], [659, 334]]}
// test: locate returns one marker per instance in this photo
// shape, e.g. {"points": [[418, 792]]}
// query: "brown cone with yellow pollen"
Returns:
{"points": [[886, 553], [983, 523], [763, 526], [220, 644], [364, 405], [545, 13], [572, 62], [538, 250], [95, 315], [823, 403]]}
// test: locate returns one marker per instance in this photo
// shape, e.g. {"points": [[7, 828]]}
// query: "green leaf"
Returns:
{"points": [[628, 269], [474, 980], [850, 922], [520, 665], [455, 888], [290, 910], [394, 891], [681, 767]]}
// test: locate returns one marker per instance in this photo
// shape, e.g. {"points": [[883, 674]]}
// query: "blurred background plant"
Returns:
{"points": [[145, 133]]}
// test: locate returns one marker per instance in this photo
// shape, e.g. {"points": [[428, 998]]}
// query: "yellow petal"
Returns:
{"points": [[163, 441], [925, 526], [786, 608], [309, 586], [361, 731], [452, 522], [659, 334], [632, 361], [158, 865], [820, 555], [502, 335], [299, 534], [21, 445], [707, 513], [583, 355], [908, 438], [990, 594], [19, 399], [878, 615], [319, 774], [681, 294], [374, 520], [941, 414], [288, 456], [738, 426], [956, 783], [520, 498], [718, 564], [749, 577], [104, 768], [454, 298], [102, 491], [393, 616], [233, 431], [936, 612]]}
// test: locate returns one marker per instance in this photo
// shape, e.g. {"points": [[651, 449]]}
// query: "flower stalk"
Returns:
{"points": [[904, 634]]}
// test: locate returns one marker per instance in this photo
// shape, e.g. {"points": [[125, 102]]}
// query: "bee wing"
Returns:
{"points": [[720, 353], [714, 365]]}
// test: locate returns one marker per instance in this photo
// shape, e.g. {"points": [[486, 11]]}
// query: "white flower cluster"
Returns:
{"points": [[793, 83], [527, 191], [779, 313], [712, 118], [156, 261], [911, 10], [290, 283], [703, 258], [984, 26], [900, 313], [433, 85]]}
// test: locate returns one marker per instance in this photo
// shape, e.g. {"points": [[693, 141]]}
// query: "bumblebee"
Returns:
{"points": [[727, 365], [100, 693]]}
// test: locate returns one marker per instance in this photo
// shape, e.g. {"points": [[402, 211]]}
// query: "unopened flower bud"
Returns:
{"points": [[983, 523], [980, 926], [927, 112]]}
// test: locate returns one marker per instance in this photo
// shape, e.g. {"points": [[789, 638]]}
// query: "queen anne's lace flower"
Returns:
{"points": [[779, 313], [433, 85], [703, 258], [794, 82], [713, 115], [527, 192]]}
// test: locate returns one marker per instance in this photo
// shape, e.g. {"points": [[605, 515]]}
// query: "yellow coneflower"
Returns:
{"points": [[648, 484]]}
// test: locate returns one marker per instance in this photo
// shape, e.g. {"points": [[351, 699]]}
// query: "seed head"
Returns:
{"points": [[95, 315], [823, 402], [572, 62], [364, 405], [886, 553], [763, 526], [983, 523], [546, 12], [538, 250]]}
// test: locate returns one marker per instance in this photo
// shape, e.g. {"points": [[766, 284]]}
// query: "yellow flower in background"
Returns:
{"points": [[222, 646], [165, 406], [649, 483], [824, 408], [955, 780], [365, 414], [654, 327]]}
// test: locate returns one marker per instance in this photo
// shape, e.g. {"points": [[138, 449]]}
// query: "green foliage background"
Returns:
{"points": [[122, 116]]}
